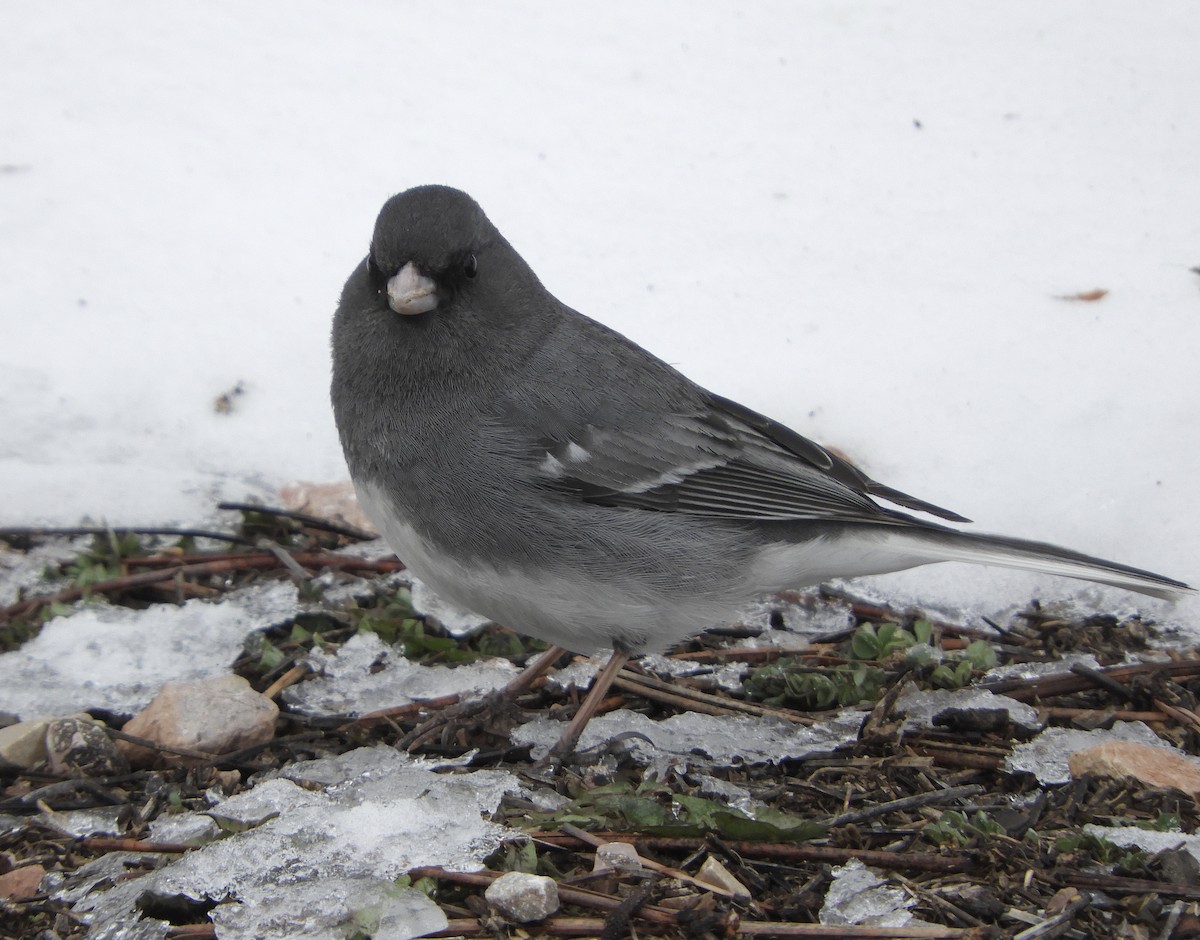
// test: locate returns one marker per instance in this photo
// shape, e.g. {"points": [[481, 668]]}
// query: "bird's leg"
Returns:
{"points": [[533, 671], [490, 702], [600, 686]]}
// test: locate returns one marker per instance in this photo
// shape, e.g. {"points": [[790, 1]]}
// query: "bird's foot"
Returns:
{"points": [[450, 722]]}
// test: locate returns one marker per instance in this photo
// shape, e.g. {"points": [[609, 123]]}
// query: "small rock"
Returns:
{"points": [[617, 856], [521, 898], [1152, 766], [1061, 900], [334, 501], [216, 716], [80, 747], [979, 900], [716, 875], [24, 744], [1179, 866], [21, 884]]}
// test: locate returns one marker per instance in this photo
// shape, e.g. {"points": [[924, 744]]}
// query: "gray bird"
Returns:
{"points": [[533, 465]]}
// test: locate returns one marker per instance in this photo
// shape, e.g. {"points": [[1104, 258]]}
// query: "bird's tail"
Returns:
{"points": [[944, 544]]}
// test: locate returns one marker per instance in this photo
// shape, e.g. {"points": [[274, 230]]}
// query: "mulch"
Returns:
{"points": [[976, 850]]}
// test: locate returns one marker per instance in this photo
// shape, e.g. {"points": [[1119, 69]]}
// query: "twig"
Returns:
{"points": [[202, 756], [246, 562], [99, 844], [1051, 926], [1103, 680], [581, 897], [953, 755], [1116, 884], [594, 926], [1107, 714], [909, 802], [193, 932], [1184, 716], [1066, 683], [594, 842], [289, 678], [309, 521], [34, 532], [686, 697], [782, 851]]}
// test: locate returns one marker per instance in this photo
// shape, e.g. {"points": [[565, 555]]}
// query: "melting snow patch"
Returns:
{"points": [[1148, 840], [56, 672], [578, 676], [457, 621], [1037, 670], [727, 676], [792, 622], [318, 860], [922, 709], [719, 741], [27, 571], [1046, 755], [860, 895], [365, 674]]}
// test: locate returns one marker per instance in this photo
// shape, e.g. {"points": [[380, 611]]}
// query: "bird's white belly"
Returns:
{"points": [[567, 607]]}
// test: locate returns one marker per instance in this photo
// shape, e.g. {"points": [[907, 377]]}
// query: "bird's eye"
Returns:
{"points": [[374, 272], [470, 266]]}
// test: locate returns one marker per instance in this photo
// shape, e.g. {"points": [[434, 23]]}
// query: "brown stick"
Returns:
{"points": [[781, 851], [246, 562]]}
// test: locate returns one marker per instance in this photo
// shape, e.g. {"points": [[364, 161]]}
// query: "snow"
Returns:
{"points": [[859, 219], [101, 656], [696, 739], [318, 853]]}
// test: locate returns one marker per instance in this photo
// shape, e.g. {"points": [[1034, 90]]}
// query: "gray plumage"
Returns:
{"points": [[543, 470]]}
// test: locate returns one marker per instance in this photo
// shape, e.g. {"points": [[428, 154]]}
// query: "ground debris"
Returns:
{"points": [[955, 837]]}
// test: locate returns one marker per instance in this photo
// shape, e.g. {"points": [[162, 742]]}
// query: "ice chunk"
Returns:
{"points": [[24, 573], [1148, 840], [304, 862], [457, 621], [359, 906], [1035, 670], [365, 674], [55, 673], [1046, 755], [922, 708], [860, 895], [805, 616], [705, 739]]}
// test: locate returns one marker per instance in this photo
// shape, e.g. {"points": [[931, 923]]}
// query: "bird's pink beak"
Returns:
{"points": [[410, 292]]}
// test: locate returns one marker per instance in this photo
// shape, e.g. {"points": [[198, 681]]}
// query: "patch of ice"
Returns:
{"points": [[861, 896], [1148, 840], [83, 823], [383, 814], [703, 739], [727, 676], [577, 676], [1035, 670], [455, 620], [921, 708], [56, 673], [365, 674], [364, 906], [1046, 755], [807, 617], [731, 793], [25, 571]]}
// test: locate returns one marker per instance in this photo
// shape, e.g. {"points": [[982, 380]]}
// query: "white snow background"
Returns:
{"points": [[857, 218]]}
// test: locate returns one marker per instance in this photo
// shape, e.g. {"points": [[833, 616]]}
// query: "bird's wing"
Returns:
{"points": [[720, 460]]}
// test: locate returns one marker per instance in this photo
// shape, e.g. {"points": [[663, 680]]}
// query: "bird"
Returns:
{"points": [[541, 469]]}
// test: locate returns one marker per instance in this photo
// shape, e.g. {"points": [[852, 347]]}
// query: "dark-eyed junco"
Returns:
{"points": [[541, 469]]}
